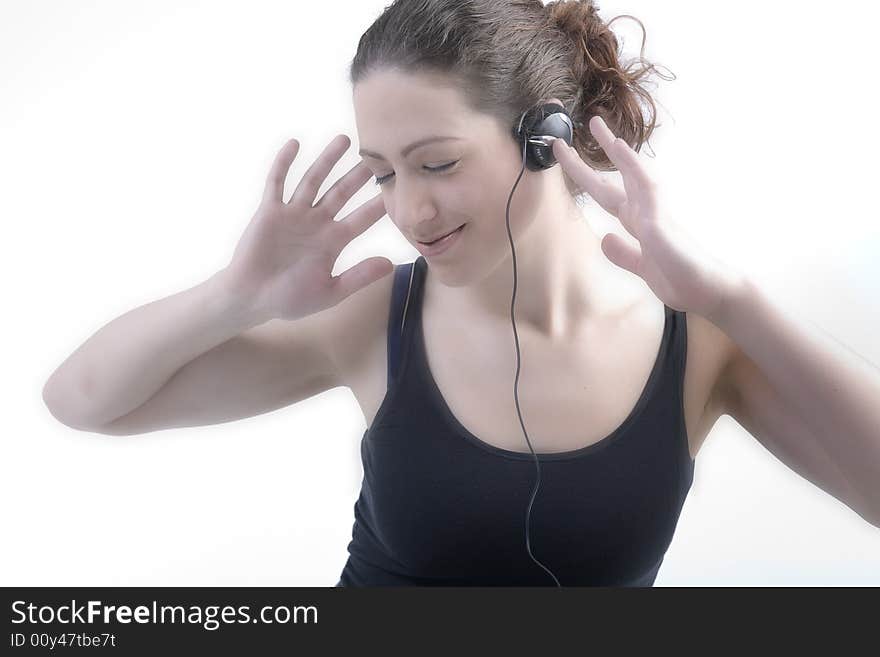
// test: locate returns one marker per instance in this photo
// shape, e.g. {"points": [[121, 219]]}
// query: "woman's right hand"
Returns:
{"points": [[282, 265]]}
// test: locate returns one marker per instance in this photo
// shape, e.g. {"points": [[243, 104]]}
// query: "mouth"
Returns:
{"points": [[441, 237]]}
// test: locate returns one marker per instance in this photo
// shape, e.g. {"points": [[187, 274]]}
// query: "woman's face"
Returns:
{"points": [[436, 187]]}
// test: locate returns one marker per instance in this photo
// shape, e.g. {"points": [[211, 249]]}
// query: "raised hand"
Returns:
{"points": [[283, 262], [677, 269]]}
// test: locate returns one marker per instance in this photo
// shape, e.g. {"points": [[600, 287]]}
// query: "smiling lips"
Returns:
{"points": [[441, 236]]}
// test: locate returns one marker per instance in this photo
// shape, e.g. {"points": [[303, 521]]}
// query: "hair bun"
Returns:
{"points": [[576, 18]]}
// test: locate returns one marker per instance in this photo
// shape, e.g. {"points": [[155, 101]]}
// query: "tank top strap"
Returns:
{"points": [[678, 347], [406, 291], [678, 359], [679, 343]]}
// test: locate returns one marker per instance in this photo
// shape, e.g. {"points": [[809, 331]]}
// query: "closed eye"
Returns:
{"points": [[381, 180]]}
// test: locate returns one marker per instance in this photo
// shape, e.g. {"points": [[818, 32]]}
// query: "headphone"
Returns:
{"points": [[536, 131]]}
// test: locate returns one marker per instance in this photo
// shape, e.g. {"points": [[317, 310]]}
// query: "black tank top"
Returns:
{"points": [[440, 507]]}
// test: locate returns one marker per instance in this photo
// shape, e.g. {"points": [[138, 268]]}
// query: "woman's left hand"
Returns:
{"points": [[679, 271]]}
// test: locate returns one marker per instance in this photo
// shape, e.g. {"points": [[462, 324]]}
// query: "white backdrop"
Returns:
{"points": [[136, 137]]}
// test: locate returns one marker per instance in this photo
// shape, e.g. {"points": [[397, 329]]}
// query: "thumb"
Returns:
{"points": [[364, 273], [621, 252]]}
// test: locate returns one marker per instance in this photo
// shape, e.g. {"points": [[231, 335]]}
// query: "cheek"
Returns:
{"points": [[492, 199]]}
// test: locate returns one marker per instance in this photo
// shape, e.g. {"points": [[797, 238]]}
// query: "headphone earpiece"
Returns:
{"points": [[535, 126]]}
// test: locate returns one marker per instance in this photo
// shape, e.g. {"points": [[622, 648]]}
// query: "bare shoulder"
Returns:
{"points": [[711, 347], [707, 339], [355, 325], [709, 350]]}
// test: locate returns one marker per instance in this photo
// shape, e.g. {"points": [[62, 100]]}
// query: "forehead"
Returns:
{"points": [[393, 107]]}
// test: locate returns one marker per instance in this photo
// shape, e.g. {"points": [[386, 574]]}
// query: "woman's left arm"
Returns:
{"points": [[807, 398], [804, 395]]}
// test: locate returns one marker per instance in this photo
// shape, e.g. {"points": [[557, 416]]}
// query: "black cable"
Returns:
{"points": [[516, 379]]}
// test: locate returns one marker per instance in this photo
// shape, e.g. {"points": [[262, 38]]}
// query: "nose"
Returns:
{"points": [[412, 202]]}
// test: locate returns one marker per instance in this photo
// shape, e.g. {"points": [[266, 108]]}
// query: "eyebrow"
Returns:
{"points": [[406, 151]]}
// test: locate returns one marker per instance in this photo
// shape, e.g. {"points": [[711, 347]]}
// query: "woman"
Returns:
{"points": [[630, 348], [617, 420]]}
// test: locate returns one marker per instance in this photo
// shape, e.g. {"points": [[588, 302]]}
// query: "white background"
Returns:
{"points": [[136, 137]]}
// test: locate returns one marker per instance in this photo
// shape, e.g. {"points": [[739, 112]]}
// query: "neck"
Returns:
{"points": [[563, 281]]}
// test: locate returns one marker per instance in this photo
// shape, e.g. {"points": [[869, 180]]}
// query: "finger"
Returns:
{"points": [[317, 173], [356, 222], [628, 213], [274, 188], [607, 194], [621, 252], [612, 146], [360, 275], [636, 180], [343, 189]]}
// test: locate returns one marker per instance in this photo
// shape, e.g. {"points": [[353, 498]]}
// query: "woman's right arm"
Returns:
{"points": [[211, 335], [129, 359]]}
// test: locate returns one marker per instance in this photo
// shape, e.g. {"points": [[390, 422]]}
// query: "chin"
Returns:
{"points": [[456, 275]]}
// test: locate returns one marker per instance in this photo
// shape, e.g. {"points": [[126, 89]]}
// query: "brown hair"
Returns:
{"points": [[507, 55]]}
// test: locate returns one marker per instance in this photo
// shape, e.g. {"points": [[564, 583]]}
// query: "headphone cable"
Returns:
{"points": [[516, 379]]}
